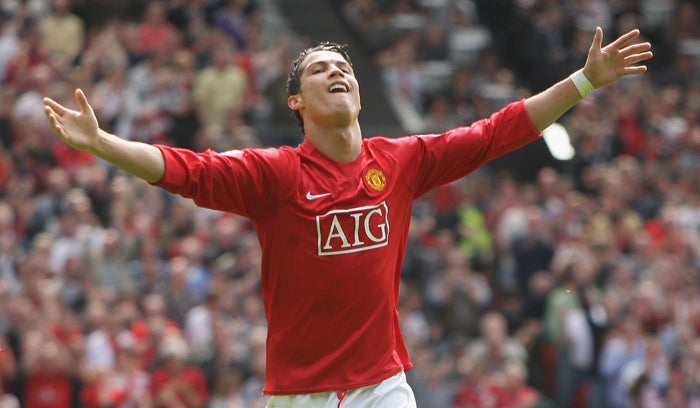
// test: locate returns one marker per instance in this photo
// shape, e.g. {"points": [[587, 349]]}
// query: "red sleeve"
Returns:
{"points": [[88, 395], [196, 378], [158, 379], [429, 161], [246, 182]]}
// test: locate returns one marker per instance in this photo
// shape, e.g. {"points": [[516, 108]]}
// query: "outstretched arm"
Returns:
{"points": [[80, 130], [604, 65]]}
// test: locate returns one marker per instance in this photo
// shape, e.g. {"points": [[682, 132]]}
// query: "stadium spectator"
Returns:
{"points": [[154, 32], [220, 88], [126, 386], [176, 383], [226, 392], [62, 32], [49, 372], [494, 349]]}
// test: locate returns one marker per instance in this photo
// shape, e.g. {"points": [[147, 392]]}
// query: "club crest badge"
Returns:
{"points": [[375, 179]]}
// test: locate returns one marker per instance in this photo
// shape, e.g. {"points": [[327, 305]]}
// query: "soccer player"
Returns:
{"points": [[332, 214]]}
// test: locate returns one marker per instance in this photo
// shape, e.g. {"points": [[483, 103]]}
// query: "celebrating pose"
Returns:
{"points": [[332, 214]]}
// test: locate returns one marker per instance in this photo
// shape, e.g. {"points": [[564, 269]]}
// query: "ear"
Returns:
{"points": [[295, 102]]}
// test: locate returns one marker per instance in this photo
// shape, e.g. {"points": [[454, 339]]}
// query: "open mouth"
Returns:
{"points": [[338, 88]]}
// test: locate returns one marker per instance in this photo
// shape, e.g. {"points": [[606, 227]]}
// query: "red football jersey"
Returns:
{"points": [[333, 237]]}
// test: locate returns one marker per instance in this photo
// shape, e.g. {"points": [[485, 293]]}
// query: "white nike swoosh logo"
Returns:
{"points": [[310, 196]]}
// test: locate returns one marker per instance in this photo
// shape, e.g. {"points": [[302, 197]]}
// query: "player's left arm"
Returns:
{"points": [[604, 66]]}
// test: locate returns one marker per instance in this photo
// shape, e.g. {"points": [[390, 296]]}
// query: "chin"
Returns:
{"points": [[344, 118]]}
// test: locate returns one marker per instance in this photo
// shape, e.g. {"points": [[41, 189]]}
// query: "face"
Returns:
{"points": [[330, 94]]}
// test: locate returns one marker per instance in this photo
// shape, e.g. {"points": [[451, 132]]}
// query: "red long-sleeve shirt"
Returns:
{"points": [[333, 237]]}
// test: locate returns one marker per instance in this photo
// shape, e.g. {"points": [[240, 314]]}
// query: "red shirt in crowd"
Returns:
{"points": [[188, 379], [48, 391]]}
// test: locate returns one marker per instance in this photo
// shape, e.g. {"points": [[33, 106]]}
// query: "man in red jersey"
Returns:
{"points": [[332, 214]]}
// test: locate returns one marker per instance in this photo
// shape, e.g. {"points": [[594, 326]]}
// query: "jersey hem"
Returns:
{"points": [[337, 388]]}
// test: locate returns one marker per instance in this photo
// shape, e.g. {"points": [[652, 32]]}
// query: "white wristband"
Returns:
{"points": [[582, 83]]}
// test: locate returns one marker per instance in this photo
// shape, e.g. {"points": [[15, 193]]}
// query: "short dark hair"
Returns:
{"points": [[293, 79]]}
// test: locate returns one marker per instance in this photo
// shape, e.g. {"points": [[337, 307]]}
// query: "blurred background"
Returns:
{"points": [[563, 275]]}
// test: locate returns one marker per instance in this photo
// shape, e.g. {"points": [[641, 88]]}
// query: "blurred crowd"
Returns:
{"points": [[576, 288]]}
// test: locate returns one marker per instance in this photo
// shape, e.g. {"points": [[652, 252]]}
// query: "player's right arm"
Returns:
{"points": [[80, 130]]}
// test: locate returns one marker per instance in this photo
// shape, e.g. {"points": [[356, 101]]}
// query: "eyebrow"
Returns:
{"points": [[340, 63]]}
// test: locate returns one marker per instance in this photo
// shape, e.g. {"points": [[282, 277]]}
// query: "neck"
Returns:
{"points": [[340, 144]]}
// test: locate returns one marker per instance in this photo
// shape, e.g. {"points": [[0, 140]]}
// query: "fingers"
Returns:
{"points": [[624, 39], [597, 40], [54, 112], [60, 110], [634, 70], [54, 121], [635, 49], [55, 106], [82, 101], [635, 58], [52, 116]]}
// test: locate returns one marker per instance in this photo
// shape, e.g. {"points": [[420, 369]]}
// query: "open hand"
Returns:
{"points": [[77, 129], [606, 65]]}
